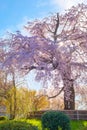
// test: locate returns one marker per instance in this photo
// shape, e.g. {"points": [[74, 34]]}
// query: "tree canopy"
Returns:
{"points": [[56, 48]]}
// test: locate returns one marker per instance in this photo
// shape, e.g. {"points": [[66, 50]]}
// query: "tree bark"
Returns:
{"points": [[11, 113], [15, 102], [69, 93]]}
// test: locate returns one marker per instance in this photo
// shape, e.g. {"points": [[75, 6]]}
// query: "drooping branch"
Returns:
{"points": [[80, 65], [49, 97], [54, 96], [29, 68]]}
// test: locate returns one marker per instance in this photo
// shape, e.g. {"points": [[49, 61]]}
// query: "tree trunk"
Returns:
{"points": [[15, 102], [10, 102], [69, 93]]}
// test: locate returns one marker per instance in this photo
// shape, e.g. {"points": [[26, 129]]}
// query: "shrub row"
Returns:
{"points": [[51, 120], [3, 118], [16, 125]]}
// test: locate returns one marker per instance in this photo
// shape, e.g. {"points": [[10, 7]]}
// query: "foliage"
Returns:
{"points": [[56, 48], [81, 100], [54, 119], [26, 100], [3, 118], [5, 86], [35, 122], [75, 125], [16, 125]]}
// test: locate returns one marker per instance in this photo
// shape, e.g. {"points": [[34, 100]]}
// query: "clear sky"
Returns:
{"points": [[15, 13]]}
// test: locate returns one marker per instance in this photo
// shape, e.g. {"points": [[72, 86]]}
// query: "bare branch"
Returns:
{"points": [[56, 28]]}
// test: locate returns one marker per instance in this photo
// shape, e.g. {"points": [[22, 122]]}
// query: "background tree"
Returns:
{"points": [[56, 102], [56, 48], [40, 101], [81, 98], [28, 101]]}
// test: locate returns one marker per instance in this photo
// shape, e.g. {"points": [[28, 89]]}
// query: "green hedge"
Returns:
{"points": [[16, 125], [3, 118], [52, 120]]}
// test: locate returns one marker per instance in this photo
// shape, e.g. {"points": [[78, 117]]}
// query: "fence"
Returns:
{"points": [[73, 114]]}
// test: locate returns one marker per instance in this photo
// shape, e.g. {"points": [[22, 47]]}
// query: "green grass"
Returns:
{"points": [[75, 125], [78, 125]]}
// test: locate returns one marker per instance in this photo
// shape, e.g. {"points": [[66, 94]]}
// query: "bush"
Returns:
{"points": [[3, 118], [17, 125], [54, 120]]}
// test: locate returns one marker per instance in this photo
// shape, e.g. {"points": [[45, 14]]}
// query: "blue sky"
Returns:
{"points": [[15, 13]]}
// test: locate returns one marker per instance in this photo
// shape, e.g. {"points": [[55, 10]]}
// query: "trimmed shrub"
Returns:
{"points": [[3, 118], [53, 120], [16, 125]]}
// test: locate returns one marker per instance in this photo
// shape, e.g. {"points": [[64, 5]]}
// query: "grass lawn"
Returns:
{"points": [[79, 125], [75, 125]]}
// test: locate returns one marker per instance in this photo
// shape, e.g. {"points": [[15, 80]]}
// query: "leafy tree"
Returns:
{"points": [[27, 100], [40, 103], [56, 48], [8, 90]]}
